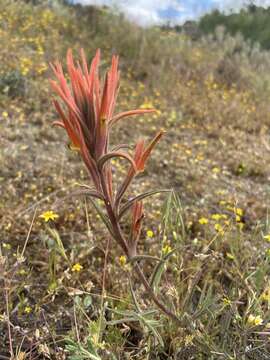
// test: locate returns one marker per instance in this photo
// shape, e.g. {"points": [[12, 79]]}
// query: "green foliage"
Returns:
{"points": [[252, 22], [13, 84], [77, 351]]}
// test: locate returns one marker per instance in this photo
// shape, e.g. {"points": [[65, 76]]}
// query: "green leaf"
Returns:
{"points": [[77, 352], [150, 324], [159, 269], [137, 306], [60, 247], [143, 257], [87, 301], [104, 217], [140, 197]]}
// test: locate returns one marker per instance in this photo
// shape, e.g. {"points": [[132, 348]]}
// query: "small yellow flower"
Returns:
{"points": [[219, 229], [123, 260], [258, 320], [49, 215], [239, 211], [266, 295], [5, 114], [237, 218], [216, 217], [226, 301], [188, 339], [6, 246], [215, 170], [267, 237], [149, 233], [166, 249], [27, 309], [76, 267], [203, 221], [230, 256], [254, 320]]}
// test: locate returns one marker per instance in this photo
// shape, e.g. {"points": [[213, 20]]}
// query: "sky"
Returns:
{"points": [[149, 12]]}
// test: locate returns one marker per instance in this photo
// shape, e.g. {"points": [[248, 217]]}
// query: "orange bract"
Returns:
{"points": [[88, 112]]}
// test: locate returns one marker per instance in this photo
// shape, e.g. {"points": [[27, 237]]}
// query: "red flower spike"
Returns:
{"points": [[87, 114]]}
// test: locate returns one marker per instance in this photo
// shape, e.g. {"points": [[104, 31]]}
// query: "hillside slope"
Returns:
{"points": [[212, 98]]}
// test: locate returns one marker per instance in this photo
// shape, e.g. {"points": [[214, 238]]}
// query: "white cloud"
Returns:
{"points": [[148, 12], [144, 12]]}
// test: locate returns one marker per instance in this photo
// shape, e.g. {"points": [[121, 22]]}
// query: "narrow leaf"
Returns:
{"points": [[104, 218], [143, 257], [159, 269], [117, 154], [140, 197]]}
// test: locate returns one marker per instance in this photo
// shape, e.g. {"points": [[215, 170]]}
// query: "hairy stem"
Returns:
{"points": [[122, 242], [115, 224], [153, 296]]}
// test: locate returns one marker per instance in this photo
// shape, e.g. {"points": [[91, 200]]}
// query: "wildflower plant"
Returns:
{"points": [[87, 114]]}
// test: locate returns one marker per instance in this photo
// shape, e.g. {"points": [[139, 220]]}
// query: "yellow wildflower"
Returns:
{"points": [[27, 309], [6, 246], [123, 260], [239, 211], [5, 114], [226, 301], [203, 221], [215, 170], [219, 229], [49, 215], [237, 218], [266, 295], [267, 237], [166, 249], [76, 267], [188, 339], [149, 233], [254, 320], [230, 256], [216, 217], [258, 320]]}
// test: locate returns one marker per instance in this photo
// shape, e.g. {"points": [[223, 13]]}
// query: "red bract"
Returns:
{"points": [[89, 107]]}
